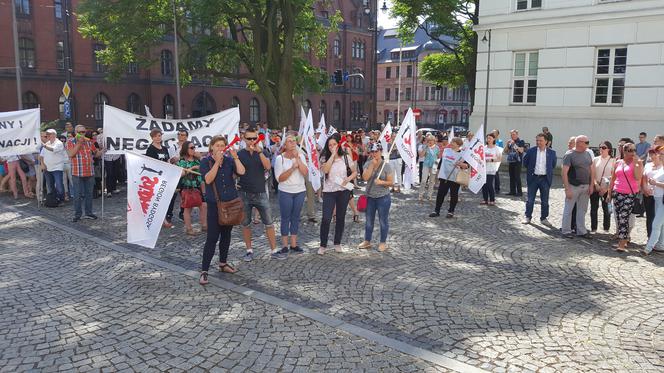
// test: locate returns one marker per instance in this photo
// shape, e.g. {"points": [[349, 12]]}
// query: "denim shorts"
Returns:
{"points": [[261, 202]]}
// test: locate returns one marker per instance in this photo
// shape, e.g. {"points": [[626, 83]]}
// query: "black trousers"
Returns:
{"points": [[515, 178], [649, 204], [497, 182], [595, 200], [111, 170], [330, 201], [169, 213], [215, 232], [443, 188]]}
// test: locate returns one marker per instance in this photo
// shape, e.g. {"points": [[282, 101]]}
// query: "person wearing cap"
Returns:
{"points": [[53, 154], [379, 177]]}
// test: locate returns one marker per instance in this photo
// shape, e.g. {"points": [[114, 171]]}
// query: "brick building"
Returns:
{"points": [[41, 26], [441, 106]]}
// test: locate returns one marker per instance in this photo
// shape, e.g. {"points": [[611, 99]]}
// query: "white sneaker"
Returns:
{"points": [[321, 251], [525, 221]]}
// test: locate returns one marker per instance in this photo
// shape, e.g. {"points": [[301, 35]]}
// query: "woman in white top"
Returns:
{"points": [[290, 169], [339, 169], [654, 178], [450, 166], [603, 167], [493, 155]]}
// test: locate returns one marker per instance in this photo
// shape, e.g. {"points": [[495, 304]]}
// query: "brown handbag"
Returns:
{"points": [[230, 212]]}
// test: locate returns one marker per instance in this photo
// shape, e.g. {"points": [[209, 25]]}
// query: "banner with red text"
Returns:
{"points": [[474, 156], [309, 144]]}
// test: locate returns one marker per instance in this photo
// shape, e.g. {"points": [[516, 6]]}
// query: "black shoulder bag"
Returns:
{"points": [[638, 208]]}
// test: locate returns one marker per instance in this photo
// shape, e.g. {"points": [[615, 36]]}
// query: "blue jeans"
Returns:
{"points": [[54, 182], [261, 202], [540, 183], [290, 205], [382, 205], [657, 235], [83, 194]]}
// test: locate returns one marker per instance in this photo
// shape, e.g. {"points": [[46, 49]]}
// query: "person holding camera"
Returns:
{"points": [[82, 152]]}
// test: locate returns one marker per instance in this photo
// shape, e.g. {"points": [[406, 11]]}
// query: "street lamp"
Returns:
{"points": [[384, 7], [488, 72]]}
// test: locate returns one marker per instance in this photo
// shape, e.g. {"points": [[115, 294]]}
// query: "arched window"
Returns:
{"points": [[168, 105], [254, 110], [22, 7], [307, 106], [30, 100], [203, 105], [336, 47], [100, 100], [323, 107], [455, 116], [235, 102], [354, 51], [98, 65], [134, 103], [26, 53], [60, 55], [166, 63], [363, 49], [336, 113]]}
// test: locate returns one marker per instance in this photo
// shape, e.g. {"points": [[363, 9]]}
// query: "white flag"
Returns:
{"points": [[450, 136], [386, 137], [19, 132], [147, 112], [406, 144], [150, 186], [474, 156], [303, 121], [309, 143], [323, 131]]}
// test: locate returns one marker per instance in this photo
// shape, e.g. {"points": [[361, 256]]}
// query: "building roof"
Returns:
{"points": [[388, 42]]}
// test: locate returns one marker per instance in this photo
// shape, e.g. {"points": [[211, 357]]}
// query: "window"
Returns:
{"points": [[26, 52], [336, 113], [355, 50], [409, 71], [30, 100], [524, 90], [168, 105], [363, 48], [134, 104], [398, 71], [387, 94], [325, 14], [60, 55], [336, 48], [408, 94], [100, 101], [22, 7], [610, 76], [166, 63], [396, 94], [132, 68], [426, 93], [99, 67], [203, 105], [254, 110], [323, 107], [57, 7], [235, 102], [307, 106], [528, 4], [388, 73]]}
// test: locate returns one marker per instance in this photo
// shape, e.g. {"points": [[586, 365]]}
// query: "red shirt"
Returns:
{"points": [[82, 161]]}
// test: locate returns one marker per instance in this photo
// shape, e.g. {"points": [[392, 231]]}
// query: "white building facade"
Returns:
{"points": [[593, 67]]}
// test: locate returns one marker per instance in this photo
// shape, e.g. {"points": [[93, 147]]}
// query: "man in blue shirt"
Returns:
{"points": [[642, 147]]}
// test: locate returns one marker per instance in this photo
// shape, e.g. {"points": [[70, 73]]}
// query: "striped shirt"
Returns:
{"points": [[82, 161]]}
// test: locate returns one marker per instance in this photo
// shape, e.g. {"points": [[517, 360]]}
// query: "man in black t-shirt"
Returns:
{"points": [[254, 194], [157, 151]]}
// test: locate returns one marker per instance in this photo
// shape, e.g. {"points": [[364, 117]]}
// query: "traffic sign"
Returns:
{"points": [[67, 109], [66, 90]]}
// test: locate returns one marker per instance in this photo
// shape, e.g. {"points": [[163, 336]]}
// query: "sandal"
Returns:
{"points": [[226, 268], [190, 232], [382, 247], [203, 280]]}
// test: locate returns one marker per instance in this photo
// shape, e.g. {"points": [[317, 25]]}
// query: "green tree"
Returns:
{"points": [[453, 21], [265, 42]]}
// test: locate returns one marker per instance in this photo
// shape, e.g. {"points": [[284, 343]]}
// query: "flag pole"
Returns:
{"points": [[394, 142]]}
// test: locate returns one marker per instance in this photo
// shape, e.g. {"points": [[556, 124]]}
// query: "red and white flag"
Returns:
{"points": [[474, 156], [303, 121], [309, 143], [150, 186], [406, 143], [386, 138], [323, 131]]}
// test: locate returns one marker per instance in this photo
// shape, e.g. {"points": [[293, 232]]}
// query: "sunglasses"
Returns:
{"points": [[585, 142], [251, 138], [192, 147], [603, 147]]}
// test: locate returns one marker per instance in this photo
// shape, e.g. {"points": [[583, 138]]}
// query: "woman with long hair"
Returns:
{"points": [[493, 155], [191, 183], [603, 164], [450, 166], [625, 182], [290, 169], [218, 169], [339, 170]]}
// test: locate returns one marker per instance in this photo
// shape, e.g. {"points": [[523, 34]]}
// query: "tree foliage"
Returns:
{"points": [[453, 20], [265, 42]]}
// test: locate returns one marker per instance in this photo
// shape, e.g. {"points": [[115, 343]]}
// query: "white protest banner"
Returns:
{"points": [[150, 187], [309, 143], [19, 132], [474, 156], [322, 130], [406, 144], [127, 132], [386, 138]]}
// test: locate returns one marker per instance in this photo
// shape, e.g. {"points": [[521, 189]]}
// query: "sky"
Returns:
{"points": [[384, 20]]}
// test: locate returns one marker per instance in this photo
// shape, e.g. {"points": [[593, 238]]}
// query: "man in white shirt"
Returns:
{"points": [[539, 162], [53, 154]]}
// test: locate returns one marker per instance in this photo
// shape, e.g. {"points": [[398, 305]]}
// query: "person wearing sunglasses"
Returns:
{"points": [[577, 174], [654, 178], [82, 152], [651, 170], [625, 183], [603, 165], [378, 196], [254, 194]]}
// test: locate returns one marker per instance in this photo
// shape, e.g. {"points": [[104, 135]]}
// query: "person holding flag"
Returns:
{"points": [[379, 177], [450, 166]]}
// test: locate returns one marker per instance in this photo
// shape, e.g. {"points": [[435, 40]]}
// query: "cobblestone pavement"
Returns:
{"points": [[480, 288], [69, 304]]}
